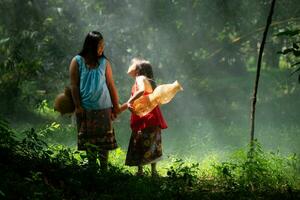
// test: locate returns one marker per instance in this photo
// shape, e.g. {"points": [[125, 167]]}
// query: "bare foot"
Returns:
{"points": [[139, 173]]}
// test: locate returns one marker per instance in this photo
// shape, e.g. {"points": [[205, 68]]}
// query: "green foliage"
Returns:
{"points": [[55, 172], [36, 52], [181, 171], [209, 45], [32, 146], [257, 170], [33, 50], [289, 33], [44, 108], [294, 48], [7, 139]]}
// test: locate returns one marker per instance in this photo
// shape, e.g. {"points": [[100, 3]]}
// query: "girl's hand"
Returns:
{"points": [[123, 107], [130, 106]]}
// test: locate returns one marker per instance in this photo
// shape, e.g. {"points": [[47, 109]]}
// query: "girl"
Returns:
{"points": [[145, 142], [95, 98]]}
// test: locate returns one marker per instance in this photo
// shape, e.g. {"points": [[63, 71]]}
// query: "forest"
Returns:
{"points": [[211, 47]]}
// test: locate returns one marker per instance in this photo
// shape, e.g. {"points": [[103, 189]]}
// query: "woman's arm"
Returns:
{"points": [[74, 78], [111, 87]]}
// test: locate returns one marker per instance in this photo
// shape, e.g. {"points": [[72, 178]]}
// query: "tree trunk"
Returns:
{"points": [[261, 49]]}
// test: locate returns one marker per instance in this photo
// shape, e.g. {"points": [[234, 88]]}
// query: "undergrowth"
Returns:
{"points": [[31, 168]]}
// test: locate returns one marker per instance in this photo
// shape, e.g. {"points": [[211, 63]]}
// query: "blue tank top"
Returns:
{"points": [[94, 94]]}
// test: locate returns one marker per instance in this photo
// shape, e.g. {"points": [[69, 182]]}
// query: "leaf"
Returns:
{"points": [[286, 51], [295, 46], [296, 52], [288, 33], [2, 41], [298, 69], [297, 63]]}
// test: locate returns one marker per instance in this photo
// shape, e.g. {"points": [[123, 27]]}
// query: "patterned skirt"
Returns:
{"points": [[144, 147], [95, 130]]}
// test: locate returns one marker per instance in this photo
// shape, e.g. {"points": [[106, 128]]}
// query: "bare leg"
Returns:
{"points": [[154, 172], [103, 159], [140, 171], [92, 157]]}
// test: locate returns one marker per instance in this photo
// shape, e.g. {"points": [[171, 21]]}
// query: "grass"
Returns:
{"points": [[33, 169]]}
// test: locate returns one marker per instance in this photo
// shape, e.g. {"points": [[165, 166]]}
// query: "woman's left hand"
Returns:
{"points": [[115, 112]]}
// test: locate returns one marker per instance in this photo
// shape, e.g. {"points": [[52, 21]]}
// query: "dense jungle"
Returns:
{"points": [[210, 46]]}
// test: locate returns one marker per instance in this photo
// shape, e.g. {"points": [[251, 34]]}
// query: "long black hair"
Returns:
{"points": [[90, 47], [144, 68]]}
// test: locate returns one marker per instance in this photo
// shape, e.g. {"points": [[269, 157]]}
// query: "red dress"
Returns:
{"points": [[145, 142], [154, 118]]}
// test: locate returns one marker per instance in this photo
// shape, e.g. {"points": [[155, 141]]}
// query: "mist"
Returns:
{"points": [[212, 114], [210, 47]]}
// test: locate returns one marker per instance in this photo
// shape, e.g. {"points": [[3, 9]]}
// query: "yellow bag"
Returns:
{"points": [[162, 94]]}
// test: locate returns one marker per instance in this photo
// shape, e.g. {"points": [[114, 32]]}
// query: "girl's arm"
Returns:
{"points": [[123, 107], [111, 87], [140, 80], [74, 78]]}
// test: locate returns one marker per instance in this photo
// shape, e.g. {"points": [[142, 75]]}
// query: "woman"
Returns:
{"points": [[95, 98]]}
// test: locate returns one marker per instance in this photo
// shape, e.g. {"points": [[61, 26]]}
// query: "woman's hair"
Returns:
{"points": [[144, 68], [90, 47]]}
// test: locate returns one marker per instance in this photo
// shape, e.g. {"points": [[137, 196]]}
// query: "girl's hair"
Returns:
{"points": [[144, 68], [90, 47]]}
